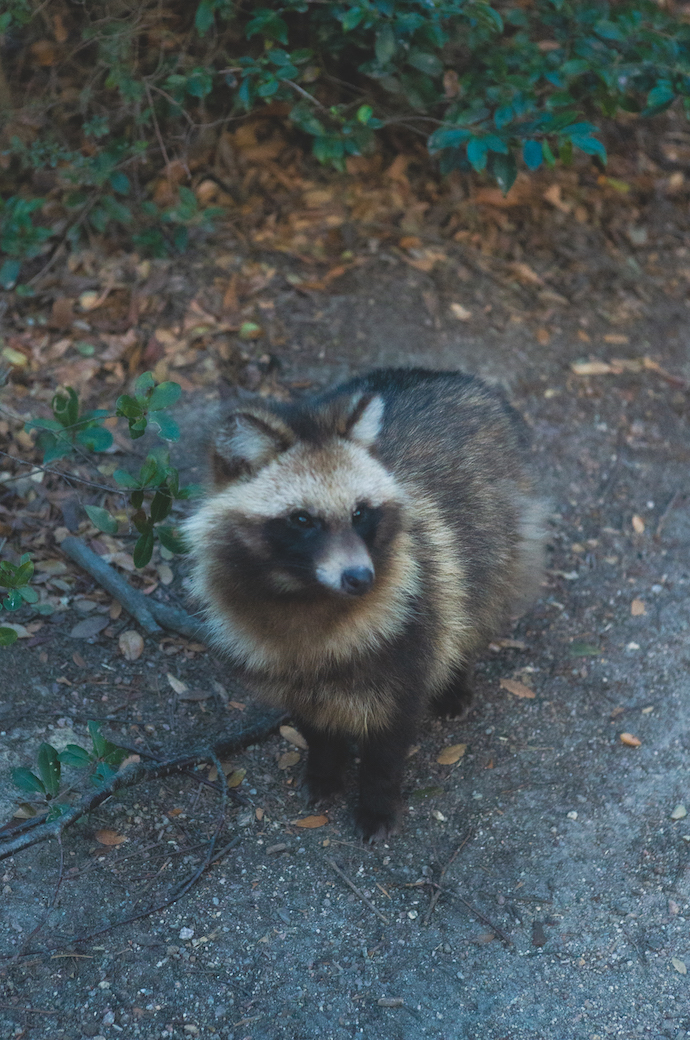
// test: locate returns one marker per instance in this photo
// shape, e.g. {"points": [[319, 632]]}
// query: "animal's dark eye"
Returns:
{"points": [[301, 520], [361, 514]]}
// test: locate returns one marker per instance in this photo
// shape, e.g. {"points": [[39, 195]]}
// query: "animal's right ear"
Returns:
{"points": [[246, 443]]}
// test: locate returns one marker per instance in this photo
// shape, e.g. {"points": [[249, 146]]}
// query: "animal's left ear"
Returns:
{"points": [[365, 418]]}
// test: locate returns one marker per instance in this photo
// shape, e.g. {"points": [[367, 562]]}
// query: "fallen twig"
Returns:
{"points": [[357, 892], [436, 894], [666, 513], [482, 917], [256, 728], [151, 615]]}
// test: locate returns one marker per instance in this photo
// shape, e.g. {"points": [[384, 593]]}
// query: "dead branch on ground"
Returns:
{"points": [[260, 724]]}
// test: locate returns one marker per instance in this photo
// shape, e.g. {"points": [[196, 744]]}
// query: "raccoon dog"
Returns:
{"points": [[357, 551]]}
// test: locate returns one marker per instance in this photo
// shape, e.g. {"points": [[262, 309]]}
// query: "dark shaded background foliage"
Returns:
{"points": [[96, 97]]}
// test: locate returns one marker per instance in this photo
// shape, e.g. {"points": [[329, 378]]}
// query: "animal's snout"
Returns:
{"points": [[355, 581]]}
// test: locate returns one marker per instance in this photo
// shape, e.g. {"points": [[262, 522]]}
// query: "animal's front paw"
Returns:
{"points": [[376, 826]]}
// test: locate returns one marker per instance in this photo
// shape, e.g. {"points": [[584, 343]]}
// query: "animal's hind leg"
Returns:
{"points": [[457, 697], [326, 761]]}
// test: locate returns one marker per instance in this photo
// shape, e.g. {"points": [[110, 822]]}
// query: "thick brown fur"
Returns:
{"points": [[448, 534]]}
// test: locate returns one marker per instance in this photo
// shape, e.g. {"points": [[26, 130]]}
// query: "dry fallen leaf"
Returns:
{"points": [[237, 705], [131, 645], [311, 821], [236, 777], [24, 811], [460, 312], [679, 813], [679, 965], [451, 754], [109, 837], [21, 630], [629, 740], [525, 274], [195, 695], [115, 610], [128, 762], [637, 608], [296, 738], [177, 684], [90, 627], [543, 336], [507, 644], [165, 573], [288, 758], [638, 524], [259, 813], [591, 368], [517, 688]]}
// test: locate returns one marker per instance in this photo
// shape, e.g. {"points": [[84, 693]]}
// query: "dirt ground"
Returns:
{"points": [[561, 851]]}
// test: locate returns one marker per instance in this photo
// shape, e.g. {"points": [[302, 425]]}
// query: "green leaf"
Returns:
{"points": [[385, 46], [448, 138], [160, 506], [143, 385], [427, 63], [659, 98], [504, 169], [95, 438], [25, 780], [66, 409], [23, 573], [170, 539], [9, 273], [119, 182], [164, 395], [102, 519], [143, 549], [137, 428], [168, 429], [533, 154], [351, 18], [98, 740], [591, 146], [476, 153], [49, 768], [269, 23], [148, 471], [549, 157], [76, 756], [364, 114], [13, 601], [204, 17], [128, 407], [124, 479], [28, 594], [8, 636]]}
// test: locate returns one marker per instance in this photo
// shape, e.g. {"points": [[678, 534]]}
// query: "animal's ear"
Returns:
{"points": [[365, 418], [247, 441]]}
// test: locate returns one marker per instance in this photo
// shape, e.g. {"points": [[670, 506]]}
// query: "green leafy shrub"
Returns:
{"points": [[15, 578], [492, 84], [46, 784], [157, 483]]}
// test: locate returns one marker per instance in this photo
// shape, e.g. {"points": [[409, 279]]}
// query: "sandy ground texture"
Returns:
{"points": [[561, 851]]}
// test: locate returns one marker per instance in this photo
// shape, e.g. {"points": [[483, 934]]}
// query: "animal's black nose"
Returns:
{"points": [[357, 580]]}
